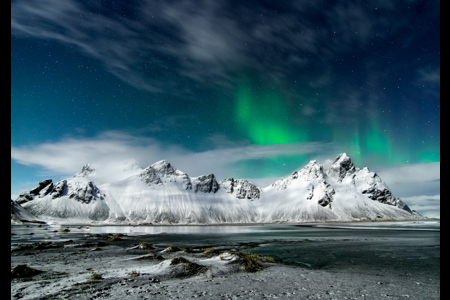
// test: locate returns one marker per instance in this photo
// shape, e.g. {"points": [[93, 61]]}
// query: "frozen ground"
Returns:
{"points": [[311, 263]]}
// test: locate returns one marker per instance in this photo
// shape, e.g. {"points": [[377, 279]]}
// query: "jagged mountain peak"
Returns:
{"points": [[150, 176], [242, 188], [163, 171], [164, 168], [311, 171], [341, 167], [41, 185], [205, 184], [43, 188], [86, 170]]}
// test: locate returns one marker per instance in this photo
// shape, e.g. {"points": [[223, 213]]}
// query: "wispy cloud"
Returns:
{"points": [[429, 206], [429, 80], [412, 173], [112, 151], [429, 76], [160, 44], [416, 184]]}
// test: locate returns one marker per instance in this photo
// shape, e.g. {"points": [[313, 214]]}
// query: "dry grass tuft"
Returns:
{"points": [[134, 273], [22, 271], [146, 246], [95, 276], [252, 262], [171, 249], [117, 237], [210, 250], [191, 268]]}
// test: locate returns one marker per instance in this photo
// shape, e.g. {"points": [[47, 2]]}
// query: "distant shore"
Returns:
{"points": [[103, 223]]}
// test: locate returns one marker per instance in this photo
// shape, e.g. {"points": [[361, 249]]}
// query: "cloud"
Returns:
{"points": [[106, 152], [110, 37], [418, 185], [113, 151], [429, 206], [429, 76], [412, 173], [429, 79], [168, 45]]}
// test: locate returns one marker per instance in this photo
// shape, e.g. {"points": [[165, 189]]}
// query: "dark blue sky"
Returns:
{"points": [[262, 87]]}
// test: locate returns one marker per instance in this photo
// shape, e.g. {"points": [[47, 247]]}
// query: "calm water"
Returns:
{"points": [[403, 247]]}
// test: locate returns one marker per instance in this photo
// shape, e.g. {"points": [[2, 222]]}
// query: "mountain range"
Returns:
{"points": [[162, 194]]}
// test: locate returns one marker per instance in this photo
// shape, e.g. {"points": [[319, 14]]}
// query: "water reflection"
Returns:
{"points": [[191, 229], [411, 225]]}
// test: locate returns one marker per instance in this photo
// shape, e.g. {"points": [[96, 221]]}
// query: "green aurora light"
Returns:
{"points": [[263, 115]]}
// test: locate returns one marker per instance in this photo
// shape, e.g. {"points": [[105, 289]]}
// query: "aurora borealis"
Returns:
{"points": [[264, 117], [251, 89]]}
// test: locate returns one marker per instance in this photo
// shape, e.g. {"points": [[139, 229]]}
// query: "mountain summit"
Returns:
{"points": [[162, 194]]}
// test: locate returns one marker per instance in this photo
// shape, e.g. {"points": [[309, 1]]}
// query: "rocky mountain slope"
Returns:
{"points": [[162, 194], [20, 215]]}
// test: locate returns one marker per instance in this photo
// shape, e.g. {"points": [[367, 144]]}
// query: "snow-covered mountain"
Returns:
{"points": [[20, 214], [73, 198], [162, 194], [340, 193]]}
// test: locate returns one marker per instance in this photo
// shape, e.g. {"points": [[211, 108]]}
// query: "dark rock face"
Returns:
{"points": [[206, 184], [24, 198], [246, 190], [342, 166], [47, 190], [402, 205], [149, 176], [84, 193], [40, 186], [59, 189], [241, 187], [327, 196], [43, 188], [323, 191], [384, 195]]}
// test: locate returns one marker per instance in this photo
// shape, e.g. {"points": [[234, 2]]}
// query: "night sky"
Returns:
{"points": [[244, 89]]}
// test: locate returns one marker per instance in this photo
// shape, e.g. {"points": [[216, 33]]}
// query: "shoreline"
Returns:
{"points": [[129, 272], [69, 272], [97, 223]]}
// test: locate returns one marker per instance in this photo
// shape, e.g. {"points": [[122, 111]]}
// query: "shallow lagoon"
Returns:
{"points": [[404, 247]]}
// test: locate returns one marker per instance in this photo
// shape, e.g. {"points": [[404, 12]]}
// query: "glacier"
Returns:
{"points": [[162, 194]]}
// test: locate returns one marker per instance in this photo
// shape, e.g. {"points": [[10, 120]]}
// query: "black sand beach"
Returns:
{"points": [[89, 262]]}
